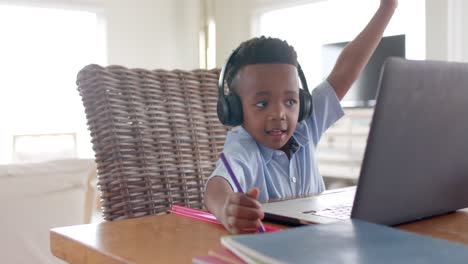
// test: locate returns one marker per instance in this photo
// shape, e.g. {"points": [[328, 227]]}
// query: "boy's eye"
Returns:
{"points": [[261, 104], [291, 102]]}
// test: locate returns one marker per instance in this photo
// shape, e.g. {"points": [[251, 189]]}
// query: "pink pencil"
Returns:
{"points": [[205, 216]]}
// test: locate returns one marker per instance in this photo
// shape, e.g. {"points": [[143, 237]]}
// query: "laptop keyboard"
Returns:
{"points": [[338, 211]]}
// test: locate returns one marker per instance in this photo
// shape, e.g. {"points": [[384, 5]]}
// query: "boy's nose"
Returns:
{"points": [[278, 112]]}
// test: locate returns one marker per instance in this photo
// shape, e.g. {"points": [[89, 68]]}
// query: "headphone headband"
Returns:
{"points": [[222, 74]]}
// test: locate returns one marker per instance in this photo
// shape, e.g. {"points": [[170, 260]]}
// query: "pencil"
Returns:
{"points": [[261, 229]]}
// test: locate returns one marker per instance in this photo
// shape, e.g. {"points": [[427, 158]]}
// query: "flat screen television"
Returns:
{"points": [[364, 90]]}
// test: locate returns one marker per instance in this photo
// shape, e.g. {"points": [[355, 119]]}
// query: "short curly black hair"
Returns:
{"points": [[259, 50]]}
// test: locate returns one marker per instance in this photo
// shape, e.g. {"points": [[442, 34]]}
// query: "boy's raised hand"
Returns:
{"points": [[241, 213], [357, 53]]}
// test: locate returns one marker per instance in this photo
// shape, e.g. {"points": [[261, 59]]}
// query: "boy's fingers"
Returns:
{"points": [[236, 231], [242, 224], [253, 193], [244, 212], [244, 200]]}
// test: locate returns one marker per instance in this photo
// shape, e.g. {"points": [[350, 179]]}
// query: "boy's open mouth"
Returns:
{"points": [[276, 132]]}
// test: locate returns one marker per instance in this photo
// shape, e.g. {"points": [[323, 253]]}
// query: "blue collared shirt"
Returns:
{"points": [[270, 170]]}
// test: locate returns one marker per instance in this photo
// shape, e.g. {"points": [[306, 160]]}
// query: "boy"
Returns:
{"points": [[271, 153]]}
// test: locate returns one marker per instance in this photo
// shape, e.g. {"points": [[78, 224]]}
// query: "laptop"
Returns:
{"points": [[415, 164]]}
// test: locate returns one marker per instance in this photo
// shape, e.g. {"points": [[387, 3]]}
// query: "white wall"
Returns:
{"points": [[153, 34], [233, 22], [457, 30], [436, 29], [447, 26]]}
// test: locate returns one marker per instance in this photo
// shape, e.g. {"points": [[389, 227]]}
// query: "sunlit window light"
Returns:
{"points": [[41, 51]]}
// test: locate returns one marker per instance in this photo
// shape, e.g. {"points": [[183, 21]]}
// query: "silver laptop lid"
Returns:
{"points": [[416, 160]]}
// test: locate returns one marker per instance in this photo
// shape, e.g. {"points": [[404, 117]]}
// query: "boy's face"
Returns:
{"points": [[270, 102]]}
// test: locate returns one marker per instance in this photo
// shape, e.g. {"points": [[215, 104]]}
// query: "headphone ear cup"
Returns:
{"points": [[235, 109], [222, 109], [305, 105]]}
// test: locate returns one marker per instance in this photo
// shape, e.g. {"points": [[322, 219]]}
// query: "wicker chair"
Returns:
{"points": [[155, 134]]}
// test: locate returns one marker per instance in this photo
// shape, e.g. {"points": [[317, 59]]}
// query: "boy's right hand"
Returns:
{"points": [[241, 213]]}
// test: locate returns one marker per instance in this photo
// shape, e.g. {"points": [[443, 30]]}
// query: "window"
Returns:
{"points": [[35, 148], [42, 50]]}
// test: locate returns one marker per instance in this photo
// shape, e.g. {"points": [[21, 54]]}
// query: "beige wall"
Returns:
{"points": [[436, 29], [446, 27], [233, 20], [153, 34]]}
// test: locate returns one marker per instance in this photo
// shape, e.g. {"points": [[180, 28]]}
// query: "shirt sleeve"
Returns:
{"points": [[326, 110], [236, 167]]}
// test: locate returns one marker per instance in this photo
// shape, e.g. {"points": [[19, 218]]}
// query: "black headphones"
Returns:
{"points": [[229, 106]]}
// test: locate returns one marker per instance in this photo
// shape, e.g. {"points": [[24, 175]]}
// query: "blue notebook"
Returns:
{"points": [[350, 241]]}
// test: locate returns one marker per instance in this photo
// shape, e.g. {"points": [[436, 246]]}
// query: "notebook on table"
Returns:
{"points": [[415, 163], [348, 241]]}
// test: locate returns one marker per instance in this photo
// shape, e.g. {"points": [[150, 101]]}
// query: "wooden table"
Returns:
{"points": [[176, 239]]}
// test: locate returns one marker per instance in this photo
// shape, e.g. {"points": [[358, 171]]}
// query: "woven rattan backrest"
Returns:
{"points": [[155, 134]]}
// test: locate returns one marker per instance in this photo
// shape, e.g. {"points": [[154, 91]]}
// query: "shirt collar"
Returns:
{"points": [[297, 141]]}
